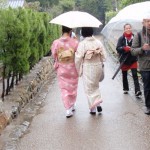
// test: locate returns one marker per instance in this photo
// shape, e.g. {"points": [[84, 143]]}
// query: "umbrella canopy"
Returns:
{"points": [[112, 29], [74, 19], [132, 14]]}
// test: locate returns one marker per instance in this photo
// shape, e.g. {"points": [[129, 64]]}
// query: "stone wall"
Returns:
{"points": [[25, 91]]}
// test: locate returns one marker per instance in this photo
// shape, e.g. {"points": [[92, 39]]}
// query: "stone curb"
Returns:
{"points": [[25, 91]]}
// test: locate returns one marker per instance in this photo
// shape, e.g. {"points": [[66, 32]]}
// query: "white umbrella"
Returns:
{"points": [[74, 19]]}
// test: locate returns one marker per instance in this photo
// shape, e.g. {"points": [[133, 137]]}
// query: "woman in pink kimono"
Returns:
{"points": [[89, 59], [63, 51]]}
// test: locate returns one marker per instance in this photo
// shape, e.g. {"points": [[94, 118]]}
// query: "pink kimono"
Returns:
{"points": [[66, 72]]}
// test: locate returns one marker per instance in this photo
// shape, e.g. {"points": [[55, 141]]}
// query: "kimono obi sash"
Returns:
{"points": [[90, 53], [65, 55]]}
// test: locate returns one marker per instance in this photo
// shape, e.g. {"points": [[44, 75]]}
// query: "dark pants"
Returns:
{"points": [[135, 79], [146, 81]]}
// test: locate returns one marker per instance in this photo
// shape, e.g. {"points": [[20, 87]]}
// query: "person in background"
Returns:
{"points": [[63, 52], [130, 62], [89, 59], [81, 36], [141, 48], [73, 35]]}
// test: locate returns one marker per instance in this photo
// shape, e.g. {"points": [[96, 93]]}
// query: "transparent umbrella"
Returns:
{"points": [[113, 30], [74, 19], [132, 14]]}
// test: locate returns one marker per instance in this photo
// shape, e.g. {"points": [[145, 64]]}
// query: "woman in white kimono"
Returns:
{"points": [[89, 59]]}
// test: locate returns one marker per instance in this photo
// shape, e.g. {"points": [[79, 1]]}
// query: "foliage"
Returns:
{"points": [[95, 7], [45, 3], [51, 3], [125, 3], [110, 14], [61, 7], [56, 10], [25, 38], [118, 5], [34, 5], [67, 5], [3, 3]]}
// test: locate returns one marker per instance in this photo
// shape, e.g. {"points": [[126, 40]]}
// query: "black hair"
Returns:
{"points": [[66, 29], [87, 31], [127, 24]]}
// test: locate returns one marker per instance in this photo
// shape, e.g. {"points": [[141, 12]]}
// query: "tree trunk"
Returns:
{"points": [[17, 79], [3, 79], [12, 81], [8, 86], [20, 76]]}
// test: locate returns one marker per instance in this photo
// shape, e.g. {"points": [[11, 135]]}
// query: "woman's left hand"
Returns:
{"points": [[127, 49]]}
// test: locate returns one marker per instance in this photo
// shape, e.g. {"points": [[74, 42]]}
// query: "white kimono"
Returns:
{"points": [[88, 60]]}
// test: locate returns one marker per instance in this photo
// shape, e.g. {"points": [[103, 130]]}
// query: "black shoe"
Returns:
{"points": [[93, 112], [99, 109], [147, 110], [125, 92], [138, 93]]}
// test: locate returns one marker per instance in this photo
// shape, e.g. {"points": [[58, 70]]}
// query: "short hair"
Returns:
{"points": [[66, 29], [87, 31], [127, 24]]}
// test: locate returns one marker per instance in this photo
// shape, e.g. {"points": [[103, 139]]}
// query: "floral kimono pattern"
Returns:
{"points": [[88, 59], [66, 71]]}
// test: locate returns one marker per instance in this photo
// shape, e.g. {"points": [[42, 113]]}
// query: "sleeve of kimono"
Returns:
{"points": [[76, 44], [103, 51], [54, 49], [79, 56]]}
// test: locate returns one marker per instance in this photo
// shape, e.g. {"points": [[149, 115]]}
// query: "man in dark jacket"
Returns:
{"points": [[130, 62], [141, 48]]}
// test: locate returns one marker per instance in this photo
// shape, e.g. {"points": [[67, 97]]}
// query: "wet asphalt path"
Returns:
{"points": [[121, 126]]}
